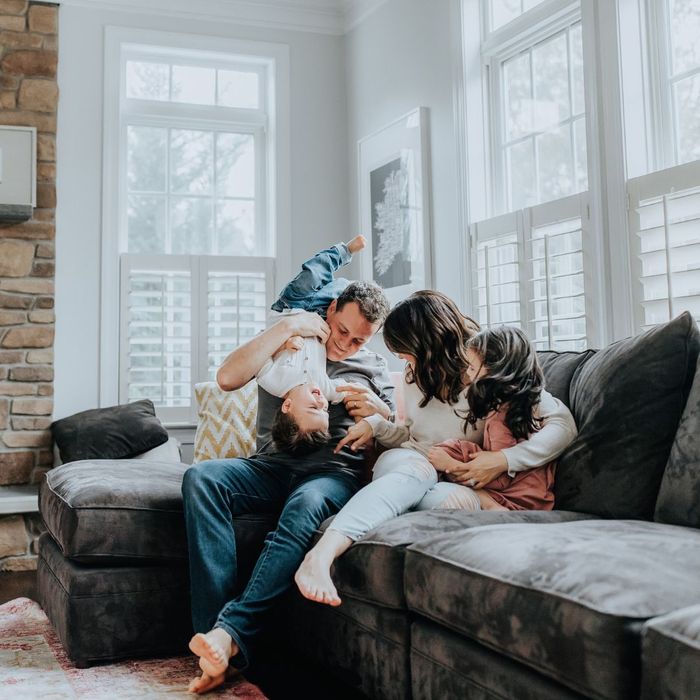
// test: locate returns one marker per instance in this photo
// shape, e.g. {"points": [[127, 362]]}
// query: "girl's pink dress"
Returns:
{"points": [[532, 489]]}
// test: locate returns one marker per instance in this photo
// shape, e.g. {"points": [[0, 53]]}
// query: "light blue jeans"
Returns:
{"points": [[403, 480]]}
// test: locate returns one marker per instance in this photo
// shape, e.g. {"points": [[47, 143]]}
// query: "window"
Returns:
{"points": [[531, 249], [194, 214]]}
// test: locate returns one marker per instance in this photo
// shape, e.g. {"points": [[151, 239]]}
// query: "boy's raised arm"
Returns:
{"points": [[245, 362]]}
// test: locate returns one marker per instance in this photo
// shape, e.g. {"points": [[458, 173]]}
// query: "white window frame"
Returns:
{"points": [[277, 173], [199, 267]]}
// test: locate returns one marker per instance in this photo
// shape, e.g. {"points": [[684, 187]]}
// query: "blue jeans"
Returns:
{"points": [[217, 490], [314, 288]]}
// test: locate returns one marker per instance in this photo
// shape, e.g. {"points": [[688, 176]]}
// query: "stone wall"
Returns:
{"points": [[28, 97]]}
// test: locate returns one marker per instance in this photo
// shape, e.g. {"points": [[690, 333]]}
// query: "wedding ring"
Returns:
{"points": [[471, 482]]}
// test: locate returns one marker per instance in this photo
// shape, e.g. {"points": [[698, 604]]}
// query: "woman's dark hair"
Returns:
{"points": [[514, 378], [429, 326], [289, 437]]}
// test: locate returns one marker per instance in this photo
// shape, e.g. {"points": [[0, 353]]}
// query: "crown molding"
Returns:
{"points": [[324, 17]]}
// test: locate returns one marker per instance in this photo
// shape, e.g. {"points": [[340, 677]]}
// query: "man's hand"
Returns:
{"points": [[307, 325], [295, 343], [360, 401], [481, 470], [358, 435]]}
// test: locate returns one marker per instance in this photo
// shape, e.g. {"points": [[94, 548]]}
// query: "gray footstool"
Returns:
{"points": [[112, 571]]}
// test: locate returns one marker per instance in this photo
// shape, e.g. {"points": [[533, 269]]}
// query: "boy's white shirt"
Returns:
{"points": [[289, 368]]}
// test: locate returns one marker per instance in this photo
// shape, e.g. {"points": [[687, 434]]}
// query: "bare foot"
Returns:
{"points": [[214, 649], [357, 244], [313, 579], [204, 683]]}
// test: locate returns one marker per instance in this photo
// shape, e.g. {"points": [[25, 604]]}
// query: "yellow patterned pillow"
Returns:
{"points": [[226, 425]]}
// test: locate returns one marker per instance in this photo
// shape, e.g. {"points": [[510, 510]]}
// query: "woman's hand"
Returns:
{"points": [[360, 402], [481, 470], [358, 435], [442, 461]]}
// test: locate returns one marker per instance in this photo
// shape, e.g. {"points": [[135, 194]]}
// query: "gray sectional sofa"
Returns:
{"points": [[599, 598]]}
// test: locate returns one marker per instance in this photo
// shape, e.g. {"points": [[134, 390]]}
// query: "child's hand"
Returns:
{"points": [[357, 244], [440, 459], [358, 435], [295, 343]]}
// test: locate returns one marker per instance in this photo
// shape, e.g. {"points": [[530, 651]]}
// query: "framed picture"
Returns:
{"points": [[17, 172], [395, 205]]}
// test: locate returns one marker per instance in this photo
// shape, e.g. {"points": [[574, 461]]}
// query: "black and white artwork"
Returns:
{"points": [[391, 224], [394, 205]]}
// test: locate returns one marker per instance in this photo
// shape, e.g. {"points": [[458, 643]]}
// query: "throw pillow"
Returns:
{"points": [[117, 432], [226, 425], [559, 369], [627, 400]]}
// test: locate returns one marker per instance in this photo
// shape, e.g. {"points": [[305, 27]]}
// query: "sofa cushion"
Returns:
{"points": [[373, 568], [567, 599], [678, 502], [627, 400], [559, 369], [117, 432], [671, 656]]}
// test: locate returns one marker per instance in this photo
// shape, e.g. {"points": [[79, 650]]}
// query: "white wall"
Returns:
{"points": [[318, 187]]}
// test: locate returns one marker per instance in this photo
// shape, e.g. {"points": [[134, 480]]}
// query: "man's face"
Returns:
{"points": [[350, 331]]}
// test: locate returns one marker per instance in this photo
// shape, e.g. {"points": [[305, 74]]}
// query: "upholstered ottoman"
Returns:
{"points": [[112, 570]]}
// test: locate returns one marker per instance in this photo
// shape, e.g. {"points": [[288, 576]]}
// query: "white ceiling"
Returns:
{"points": [[324, 16]]}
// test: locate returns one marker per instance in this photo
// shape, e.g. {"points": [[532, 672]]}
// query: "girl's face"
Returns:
{"points": [[409, 359], [475, 365]]}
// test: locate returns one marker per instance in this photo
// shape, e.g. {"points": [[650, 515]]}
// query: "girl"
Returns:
{"points": [[505, 389], [429, 332]]}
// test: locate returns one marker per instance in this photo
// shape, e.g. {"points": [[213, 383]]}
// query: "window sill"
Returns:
{"points": [[19, 499]]}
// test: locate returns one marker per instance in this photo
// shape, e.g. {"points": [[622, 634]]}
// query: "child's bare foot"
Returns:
{"points": [[313, 579], [357, 244], [214, 649]]}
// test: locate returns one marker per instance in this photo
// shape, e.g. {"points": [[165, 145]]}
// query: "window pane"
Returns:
{"points": [[146, 158], [235, 227], [191, 225], [581, 155], [521, 175], [685, 30], [551, 89], [147, 81], [518, 96], [193, 84], [238, 89], [555, 164], [687, 105], [191, 161], [146, 224], [576, 44], [235, 165]]}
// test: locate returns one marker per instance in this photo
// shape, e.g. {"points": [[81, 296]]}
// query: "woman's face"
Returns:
{"points": [[409, 359], [475, 365]]}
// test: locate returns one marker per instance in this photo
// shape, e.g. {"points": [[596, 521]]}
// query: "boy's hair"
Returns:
{"points": [[288, 436], [374, 306], [430, 326], [514, 378]]}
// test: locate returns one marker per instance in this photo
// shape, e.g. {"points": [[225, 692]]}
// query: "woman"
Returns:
{"points": [[428, 331]]}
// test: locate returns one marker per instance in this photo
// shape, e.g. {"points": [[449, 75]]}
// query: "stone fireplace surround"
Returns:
{"points": [[28, 97]]}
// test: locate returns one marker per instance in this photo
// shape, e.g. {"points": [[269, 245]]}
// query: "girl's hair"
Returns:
{"points": [[429, 326], [514, 378]]}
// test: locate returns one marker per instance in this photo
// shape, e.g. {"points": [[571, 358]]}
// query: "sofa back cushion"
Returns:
{"points": [[627, 400], [559, 369], [679, 496]]}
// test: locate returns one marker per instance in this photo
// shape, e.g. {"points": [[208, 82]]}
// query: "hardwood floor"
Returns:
{"points": [[17, 584]]}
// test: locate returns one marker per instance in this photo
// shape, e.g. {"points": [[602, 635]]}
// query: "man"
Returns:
{"points": [[304, 489]]}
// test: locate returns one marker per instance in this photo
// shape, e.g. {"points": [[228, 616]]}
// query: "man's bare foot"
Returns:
{"points": [[313, 579], [214, 649], [357, 244], [204, 683]]}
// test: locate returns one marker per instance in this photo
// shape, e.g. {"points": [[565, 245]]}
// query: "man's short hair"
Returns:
{"points": [[288, 436], [369, 297]]}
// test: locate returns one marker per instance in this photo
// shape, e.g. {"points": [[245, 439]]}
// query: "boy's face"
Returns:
{"points": [[350, 331], [308, 406]]}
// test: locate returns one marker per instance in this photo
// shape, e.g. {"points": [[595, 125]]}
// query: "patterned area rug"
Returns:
{"points": [[34, 665]]}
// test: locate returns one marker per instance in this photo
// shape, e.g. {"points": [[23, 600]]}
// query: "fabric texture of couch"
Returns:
{"points": [[596, 599]]}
